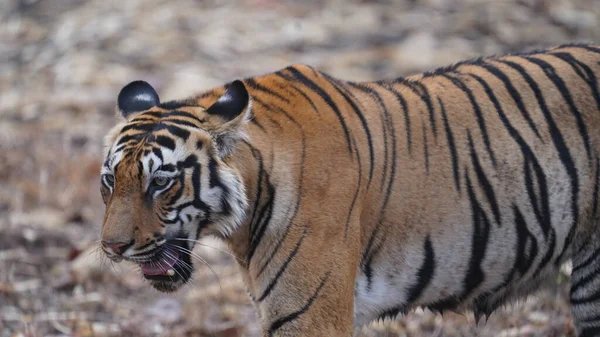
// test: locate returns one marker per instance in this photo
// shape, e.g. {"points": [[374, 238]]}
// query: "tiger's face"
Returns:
{"points": [[165, 181]]}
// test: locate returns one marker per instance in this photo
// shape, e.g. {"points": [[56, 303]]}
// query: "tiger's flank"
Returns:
{"points": [[345, 202]]}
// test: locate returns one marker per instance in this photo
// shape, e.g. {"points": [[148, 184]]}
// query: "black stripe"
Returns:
{"points": [[524, 258], [174, 130], [367, 258], [150, 163], [384, 123], [445, 304], [140, 173], [548, 256], [587, 261], [214, 177], [513, 92], [157, 152], [278, 109], [141, 127], [215, 181], [477, 110], [156, 114], [541, 208], [128, 138], [425, 273], [285, 87], [424, 276], [290, 82], [484, 183], [584, 46], [179, 122], [479, 241], [268, 108], [350, 99], [177, 131], [196, 185], [589, 77], [167, 167], [261, 222], [299, 76], [281, 270], [259, 87], [593, 297], [259, 186], [451, 145], [392, 133], [578, 283], [590, 319], [258, 124], [355, 197], [421, 90], [294, 315], [566, 94], [144, 246], [166, 142], [122, 146], [177, 113], [404, 107], [308, 99]]}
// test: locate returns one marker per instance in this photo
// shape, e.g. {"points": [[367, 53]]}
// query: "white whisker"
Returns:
{"points": [[192, 254], [190, 280]]}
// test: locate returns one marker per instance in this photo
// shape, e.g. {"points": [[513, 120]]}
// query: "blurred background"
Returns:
{"points": [[62, 63]]}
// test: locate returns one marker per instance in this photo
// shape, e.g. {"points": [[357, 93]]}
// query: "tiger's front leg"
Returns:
{"points": [[305, 286]]}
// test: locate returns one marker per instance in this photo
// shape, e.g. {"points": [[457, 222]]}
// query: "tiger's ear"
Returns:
{"points": [[233, 110], [135, 97]]}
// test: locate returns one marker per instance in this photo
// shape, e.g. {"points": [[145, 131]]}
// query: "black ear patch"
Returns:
{"points": [[135, 97], [232, 103]]}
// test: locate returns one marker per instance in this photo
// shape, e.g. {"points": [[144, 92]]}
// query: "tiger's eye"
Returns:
{"points": [[160, 181], [110, 179]]}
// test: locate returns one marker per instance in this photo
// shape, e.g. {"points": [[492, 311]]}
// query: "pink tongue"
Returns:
{"points": [[161, 266]]}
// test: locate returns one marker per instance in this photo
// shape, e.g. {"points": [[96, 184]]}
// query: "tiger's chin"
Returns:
{"points": [[167, 286], [169, 283]]}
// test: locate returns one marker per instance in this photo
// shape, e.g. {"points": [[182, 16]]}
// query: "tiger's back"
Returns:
{"points": [[454, 189]]}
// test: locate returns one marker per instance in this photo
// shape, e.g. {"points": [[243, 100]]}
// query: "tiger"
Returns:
{"points": [[461, 188]]}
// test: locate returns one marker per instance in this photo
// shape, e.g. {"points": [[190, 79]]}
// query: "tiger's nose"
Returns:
{"points": [[117, 247]]}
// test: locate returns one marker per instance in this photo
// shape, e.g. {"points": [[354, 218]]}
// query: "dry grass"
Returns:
{"points": [[62, 63]]}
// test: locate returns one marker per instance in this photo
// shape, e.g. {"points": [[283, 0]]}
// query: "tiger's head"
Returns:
{"points": [[166, 182]]}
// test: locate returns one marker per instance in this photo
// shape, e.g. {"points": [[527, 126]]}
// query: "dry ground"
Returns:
{"points": [[62, 63]]}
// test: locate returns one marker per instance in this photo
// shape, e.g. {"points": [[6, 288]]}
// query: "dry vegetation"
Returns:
{"points": [[62, 63]]}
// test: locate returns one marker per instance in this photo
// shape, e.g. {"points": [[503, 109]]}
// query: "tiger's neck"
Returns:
{"points": [[254, 171], [254, 242]]}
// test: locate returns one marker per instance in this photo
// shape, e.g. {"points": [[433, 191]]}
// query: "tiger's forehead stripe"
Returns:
{"points": [[148, 126]]}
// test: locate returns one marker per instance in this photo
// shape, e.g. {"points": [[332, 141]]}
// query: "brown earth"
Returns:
{"points": [[62, 62]]}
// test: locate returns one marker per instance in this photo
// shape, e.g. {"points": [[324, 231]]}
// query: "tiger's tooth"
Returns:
{"points": [[170, 272]]}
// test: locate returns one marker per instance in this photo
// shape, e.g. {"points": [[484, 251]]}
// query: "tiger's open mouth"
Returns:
{"points": [[170, 267]]}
